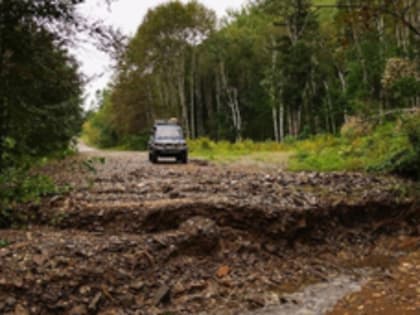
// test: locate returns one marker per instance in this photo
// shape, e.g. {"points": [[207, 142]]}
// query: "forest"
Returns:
{"points": [[274, 70], [301, 194], [336, 82]]}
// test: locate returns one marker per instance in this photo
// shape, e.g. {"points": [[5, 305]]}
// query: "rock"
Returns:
{"points": [[223, 271], [84, 290], [39, 259], [78, 310], [94, 303], [112, 311], [10, 301], [20, 310], [271, 248], [137, 285], [174, 195], [162, 295], [167, 189]]}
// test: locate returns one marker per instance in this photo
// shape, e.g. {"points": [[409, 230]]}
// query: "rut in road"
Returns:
{"points": [[197, 239]]}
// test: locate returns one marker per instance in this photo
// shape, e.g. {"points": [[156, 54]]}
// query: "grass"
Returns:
{"points": [[244, 152], [393, 147], [4, 243], [384, 149], [377, 151]]}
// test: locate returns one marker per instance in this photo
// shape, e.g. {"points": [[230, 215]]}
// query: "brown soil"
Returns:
{"points": [[137, 238]]}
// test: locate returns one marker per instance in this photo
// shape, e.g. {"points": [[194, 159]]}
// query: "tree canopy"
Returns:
{"points": [[40, 81], [272, 70]]}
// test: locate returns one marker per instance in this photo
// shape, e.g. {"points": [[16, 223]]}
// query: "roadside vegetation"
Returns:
{"points": [[40, 95], [391, 147], [276, 76], [224, 151], [387, 147]]}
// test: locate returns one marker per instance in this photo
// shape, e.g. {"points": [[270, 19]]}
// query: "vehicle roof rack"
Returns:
{"points": [[171, 121]]}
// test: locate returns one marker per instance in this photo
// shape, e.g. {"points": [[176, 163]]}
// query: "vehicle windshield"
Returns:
{"points": [[168, 132]]}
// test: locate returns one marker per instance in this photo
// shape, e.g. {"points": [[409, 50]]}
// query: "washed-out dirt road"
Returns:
{"points": [[137, 238]]}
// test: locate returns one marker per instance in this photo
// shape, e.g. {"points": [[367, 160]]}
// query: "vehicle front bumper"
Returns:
{"points": [[169, 152]]}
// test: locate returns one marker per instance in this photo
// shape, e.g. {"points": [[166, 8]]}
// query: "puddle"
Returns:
{"points": [[315, 299]]}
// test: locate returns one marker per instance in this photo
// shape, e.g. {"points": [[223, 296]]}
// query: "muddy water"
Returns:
{"points": [[315, 299]]}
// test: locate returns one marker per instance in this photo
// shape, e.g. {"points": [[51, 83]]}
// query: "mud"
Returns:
{"points": [[136, 238]]}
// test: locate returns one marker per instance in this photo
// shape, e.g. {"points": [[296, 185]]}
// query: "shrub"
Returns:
{"points": [[393, 147], [355, 127], [135, 142], [407, 162], [18, 186]]}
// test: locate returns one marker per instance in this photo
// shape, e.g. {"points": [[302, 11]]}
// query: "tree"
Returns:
{"points": [[273, 69], [40, 85], [164, 52], [40, 88]]}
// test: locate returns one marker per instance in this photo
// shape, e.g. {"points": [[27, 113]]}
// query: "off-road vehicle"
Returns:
{"points": [[167, 140]]}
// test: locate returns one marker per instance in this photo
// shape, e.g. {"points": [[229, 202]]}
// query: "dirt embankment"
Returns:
{"points": [[203, 239]]}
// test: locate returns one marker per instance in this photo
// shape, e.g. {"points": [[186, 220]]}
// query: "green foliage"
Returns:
{"points": [[18, 186], [390, 148], [89, 164], [4, 243], [135, 142], [204, 147], [40, 87], [406, 160], [157, 65], [282, 69], [98, 129]]}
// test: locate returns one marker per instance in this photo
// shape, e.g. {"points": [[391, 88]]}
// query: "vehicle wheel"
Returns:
{"points": [[153, 158], [184, 158]]}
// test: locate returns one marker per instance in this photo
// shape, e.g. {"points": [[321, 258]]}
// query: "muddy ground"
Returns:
{"points": [[136, 238]]}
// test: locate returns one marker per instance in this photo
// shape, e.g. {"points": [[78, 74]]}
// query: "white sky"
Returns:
{"points": [[126, 15]]}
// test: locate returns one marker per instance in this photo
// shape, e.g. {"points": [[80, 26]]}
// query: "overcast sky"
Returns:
{"points": [[126, 15]]}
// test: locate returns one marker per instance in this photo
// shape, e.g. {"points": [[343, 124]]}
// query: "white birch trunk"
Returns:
{"points": [[275, 124], [182, 99], [192, 100], [281, 122]]}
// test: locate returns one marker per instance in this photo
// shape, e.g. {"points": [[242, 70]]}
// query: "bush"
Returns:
{"points": [[393, 147], [135, 142], [355, 127], [407, 161], [18, 186], [224, 150]]}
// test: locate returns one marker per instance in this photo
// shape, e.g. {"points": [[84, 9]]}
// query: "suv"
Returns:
{"points": [[167, 140]]}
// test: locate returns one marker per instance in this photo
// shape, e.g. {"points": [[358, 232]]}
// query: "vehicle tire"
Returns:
{"points": [[153, 158], [184, 158]]}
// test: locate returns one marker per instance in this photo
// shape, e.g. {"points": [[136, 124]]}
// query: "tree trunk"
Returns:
{"points": [[330, 108], [238, 115], [275, 124], [233, 103], [192, 99], [208, 103], [344, 90], [218, 102], [290, 121], [358, 46], [199, 104], [281, 122], [182, 100]]}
